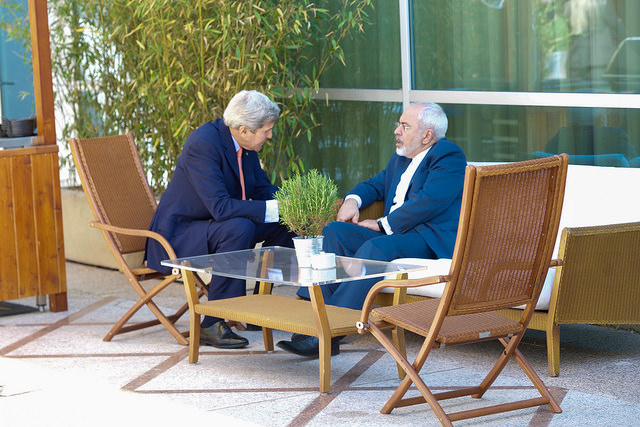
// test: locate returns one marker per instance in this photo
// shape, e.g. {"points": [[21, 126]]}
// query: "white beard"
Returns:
{"points": [[402, 150]]}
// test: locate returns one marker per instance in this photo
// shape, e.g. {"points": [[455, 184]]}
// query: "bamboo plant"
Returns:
{"points": [[161, 68]]}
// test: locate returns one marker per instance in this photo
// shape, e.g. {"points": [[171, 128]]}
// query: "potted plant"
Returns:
{"points": [[306, 204]]}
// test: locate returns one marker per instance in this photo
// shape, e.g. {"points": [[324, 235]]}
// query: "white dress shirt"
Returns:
{"points": [[401, 189]]}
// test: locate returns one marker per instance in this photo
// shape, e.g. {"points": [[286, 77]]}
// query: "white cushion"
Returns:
{"points": [[599, 195], [441, 267], [435, 267]]}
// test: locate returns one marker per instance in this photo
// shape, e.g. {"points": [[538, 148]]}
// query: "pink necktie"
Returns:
{"points": [[239, 153]]}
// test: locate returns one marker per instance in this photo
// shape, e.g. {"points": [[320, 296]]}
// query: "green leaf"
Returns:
{"points": [[161, 68]]}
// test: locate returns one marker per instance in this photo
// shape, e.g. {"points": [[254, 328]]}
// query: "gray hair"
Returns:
{"points": [[433, 117], [250, 108]]}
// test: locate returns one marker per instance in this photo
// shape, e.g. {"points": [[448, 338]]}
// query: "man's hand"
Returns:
{"points": [[348, 212], [371, 224]]}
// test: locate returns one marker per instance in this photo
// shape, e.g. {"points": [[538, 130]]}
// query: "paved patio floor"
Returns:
{"points": [[55, 370]]}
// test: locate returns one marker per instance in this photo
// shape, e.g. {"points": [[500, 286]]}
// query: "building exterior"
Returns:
{"points": [[518, 79]]}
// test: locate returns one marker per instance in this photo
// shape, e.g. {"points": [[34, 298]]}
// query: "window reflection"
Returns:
{"points": [[591, 136], [356, 140], [588, 139], [353, 143], [594, 33], [579, 46], [373, 58], [540, 45]]}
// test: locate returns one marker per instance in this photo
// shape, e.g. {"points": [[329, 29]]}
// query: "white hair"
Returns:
{"points": [[250, 108], [433, 117]]}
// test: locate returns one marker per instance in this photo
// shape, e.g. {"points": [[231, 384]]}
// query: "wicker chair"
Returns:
{"points": [[508, 227], [123, 204], [596, 283]]}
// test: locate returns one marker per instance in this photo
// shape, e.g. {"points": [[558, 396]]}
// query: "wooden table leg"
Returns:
{"points": [[324, 336], [188, 278], [399, 297], [265, 288]]}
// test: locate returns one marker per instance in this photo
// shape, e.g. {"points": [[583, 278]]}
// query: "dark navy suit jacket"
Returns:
{"points": [[432, 204], [206, 187]]}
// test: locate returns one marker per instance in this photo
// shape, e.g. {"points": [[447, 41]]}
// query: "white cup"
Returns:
{"points": [[323, 260]]}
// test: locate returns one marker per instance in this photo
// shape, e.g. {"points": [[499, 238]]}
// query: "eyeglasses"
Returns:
{"points": [[405, 126]]}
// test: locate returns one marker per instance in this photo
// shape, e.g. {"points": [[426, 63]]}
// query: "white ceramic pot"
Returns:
{"points": [[306, 247]]}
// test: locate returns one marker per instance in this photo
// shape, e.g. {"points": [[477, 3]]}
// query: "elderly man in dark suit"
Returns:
{"points": [[220, 199], [422, 190]]}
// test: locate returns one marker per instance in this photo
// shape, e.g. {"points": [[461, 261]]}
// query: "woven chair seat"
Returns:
{"points": [[417, 317]]}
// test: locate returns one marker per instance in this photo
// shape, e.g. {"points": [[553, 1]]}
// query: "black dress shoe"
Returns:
{"points": [[221, 336], [307, 346]]}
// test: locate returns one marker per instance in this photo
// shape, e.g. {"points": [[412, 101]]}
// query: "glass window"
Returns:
{"points": [[545, 46], [591, 136], [372, 57], [538, 45], [16, 76], [354, 142]]}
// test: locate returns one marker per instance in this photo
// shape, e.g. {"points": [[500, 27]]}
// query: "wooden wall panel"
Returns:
{"points": [[32, 261], [8, 270], [26, 255], [42, 79], [43, 178]]}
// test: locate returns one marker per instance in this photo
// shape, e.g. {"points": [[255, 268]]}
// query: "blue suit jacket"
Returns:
{"points": [[432, 204], [206, 187]]}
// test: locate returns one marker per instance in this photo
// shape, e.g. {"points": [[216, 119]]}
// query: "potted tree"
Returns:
{"points": [[307, 203]]}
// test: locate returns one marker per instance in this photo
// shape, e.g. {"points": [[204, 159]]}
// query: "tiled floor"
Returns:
{"points": [[55, 370]]}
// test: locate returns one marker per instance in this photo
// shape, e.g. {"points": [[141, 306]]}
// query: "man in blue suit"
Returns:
{"points": [[211, 205], [422, 190]]}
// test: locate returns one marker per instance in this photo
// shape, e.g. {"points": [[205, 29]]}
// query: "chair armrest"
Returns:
{"points": [[362, 325], [136, 232], [373, 211]]}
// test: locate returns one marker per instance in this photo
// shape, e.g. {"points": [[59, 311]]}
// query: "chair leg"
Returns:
{"points": [[119, 327], [401, 344], [411, 377], [146, 299], [510, 346], [194, 337], [537, 382], [553, 349], [511, 350]]}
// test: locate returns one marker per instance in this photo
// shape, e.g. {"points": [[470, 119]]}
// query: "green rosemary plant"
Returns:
{"points": [[307, 203]]}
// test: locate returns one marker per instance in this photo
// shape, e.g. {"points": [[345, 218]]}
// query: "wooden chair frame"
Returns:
{"points": [[101, 163], [475, 290]]}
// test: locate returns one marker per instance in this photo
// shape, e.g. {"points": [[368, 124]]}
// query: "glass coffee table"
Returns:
{"points": [[278, 265]]}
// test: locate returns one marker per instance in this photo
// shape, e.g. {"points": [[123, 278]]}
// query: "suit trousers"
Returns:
{"points": [[237, 234], [348, 239]]}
